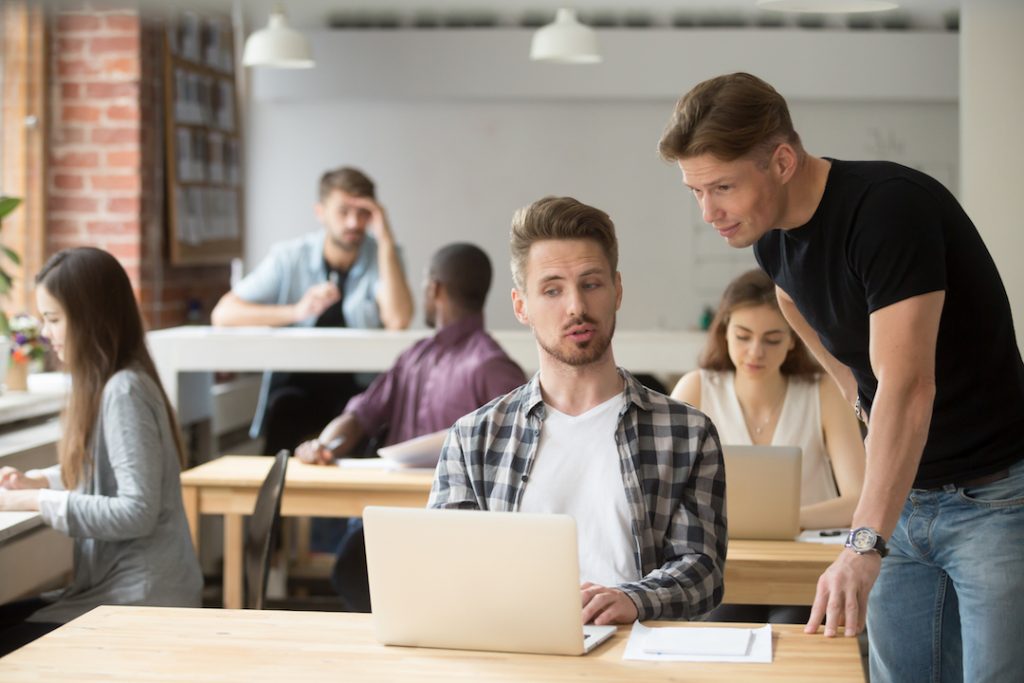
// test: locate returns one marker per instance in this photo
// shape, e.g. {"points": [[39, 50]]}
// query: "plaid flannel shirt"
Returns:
{"points": [[671, 464]]}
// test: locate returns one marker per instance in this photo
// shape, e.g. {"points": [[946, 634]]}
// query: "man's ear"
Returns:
{"points": [[318, 211], [618, 290], [519, 306], [784, 161]]}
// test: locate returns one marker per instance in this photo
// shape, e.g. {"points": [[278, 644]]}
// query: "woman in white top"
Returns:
{"points": [[116, 489], [759, 385]]}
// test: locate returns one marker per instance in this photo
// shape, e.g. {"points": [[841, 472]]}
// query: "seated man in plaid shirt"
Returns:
{"points": [[641, 473]]}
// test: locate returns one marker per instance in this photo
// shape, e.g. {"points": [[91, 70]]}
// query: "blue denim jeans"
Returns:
{"points": [[949, 602]]}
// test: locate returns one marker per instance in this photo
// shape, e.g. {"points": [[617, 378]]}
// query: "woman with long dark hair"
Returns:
{"points": [[759, 385], [116, 489]]}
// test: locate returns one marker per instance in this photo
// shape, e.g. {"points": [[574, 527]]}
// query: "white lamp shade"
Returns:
{"points": [[566, 41], [828, 6], [278, 45]]}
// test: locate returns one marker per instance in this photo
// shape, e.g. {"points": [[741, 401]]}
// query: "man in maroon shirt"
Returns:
{"points": [[432, 384]]}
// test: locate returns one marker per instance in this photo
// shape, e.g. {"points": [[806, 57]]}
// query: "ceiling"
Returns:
{"points": [[914, 14]]}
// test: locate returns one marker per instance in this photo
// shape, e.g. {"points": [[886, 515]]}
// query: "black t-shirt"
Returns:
{"points": [[884, 233], [334, 316]]}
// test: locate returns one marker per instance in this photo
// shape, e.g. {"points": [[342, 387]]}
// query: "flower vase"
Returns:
{"points": [[17, 377]]}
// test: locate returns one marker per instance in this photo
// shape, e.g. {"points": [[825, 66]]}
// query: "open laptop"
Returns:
{"points": [[472, 580], [762, 492]]}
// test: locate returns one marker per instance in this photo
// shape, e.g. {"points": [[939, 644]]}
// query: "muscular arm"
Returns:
{"points": [[902, 352], [840, 373]]}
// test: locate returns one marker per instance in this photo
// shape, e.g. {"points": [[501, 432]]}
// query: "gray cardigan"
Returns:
{"points": [[131, 538]]}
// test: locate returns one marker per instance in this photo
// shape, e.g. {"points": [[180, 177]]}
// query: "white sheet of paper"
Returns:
{"points": [[377, 464], [421, 451], [364, 463], [759, 650], [823, 536], [698, 641]]}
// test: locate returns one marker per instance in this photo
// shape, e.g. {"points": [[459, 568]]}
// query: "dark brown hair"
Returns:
{"points": [[729, 117], [753, 288], [559, 218], [349, 180], [104, 335]]}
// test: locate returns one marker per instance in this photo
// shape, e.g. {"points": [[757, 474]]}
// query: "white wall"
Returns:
{"points": [[456, 167], [992, 59]]}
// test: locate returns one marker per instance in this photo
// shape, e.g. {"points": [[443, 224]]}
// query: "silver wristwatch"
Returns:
{"points": [[864, 539]]}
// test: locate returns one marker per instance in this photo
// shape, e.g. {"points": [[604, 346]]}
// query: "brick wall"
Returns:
{"points": [[106, 181]]}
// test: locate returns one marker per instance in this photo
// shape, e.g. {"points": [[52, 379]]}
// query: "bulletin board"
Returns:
{"points": [[204, 143]]}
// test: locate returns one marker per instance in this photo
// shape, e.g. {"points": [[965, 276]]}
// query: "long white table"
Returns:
{"points": [[198, 348]]}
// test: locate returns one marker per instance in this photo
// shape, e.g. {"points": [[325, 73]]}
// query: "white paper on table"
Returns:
{"points": [[421, 451], [377, 464], [823, 536], [734, 642], [364, 463], [759, 650]]}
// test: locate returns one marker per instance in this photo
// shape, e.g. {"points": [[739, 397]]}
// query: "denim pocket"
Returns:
{"points": [[1008, 492]]}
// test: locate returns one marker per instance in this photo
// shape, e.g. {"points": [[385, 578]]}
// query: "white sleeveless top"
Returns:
{"points": [[799, 425]]}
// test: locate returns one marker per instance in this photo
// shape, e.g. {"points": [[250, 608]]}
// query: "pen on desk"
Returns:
{"points": [[334, 444], [831, 532]]}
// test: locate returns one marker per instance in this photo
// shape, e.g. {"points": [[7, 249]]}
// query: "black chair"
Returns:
{"points": [[262, 530]]}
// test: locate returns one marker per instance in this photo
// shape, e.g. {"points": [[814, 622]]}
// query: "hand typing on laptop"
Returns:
{"points": [[603, 605]]}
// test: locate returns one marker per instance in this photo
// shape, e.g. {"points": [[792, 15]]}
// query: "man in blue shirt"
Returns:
{"points": [[349, 274]]}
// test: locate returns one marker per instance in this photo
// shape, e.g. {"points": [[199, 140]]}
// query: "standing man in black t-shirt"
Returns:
{"points": [[886, 279]]}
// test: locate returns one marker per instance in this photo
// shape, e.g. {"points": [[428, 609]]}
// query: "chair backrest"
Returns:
{"points": [[261, 531]]}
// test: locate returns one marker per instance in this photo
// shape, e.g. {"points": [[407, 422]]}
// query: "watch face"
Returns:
{"points": [[863, 539]]}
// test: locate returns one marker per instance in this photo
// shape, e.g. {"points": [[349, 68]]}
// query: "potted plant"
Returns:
{"points": [[7, 205]]}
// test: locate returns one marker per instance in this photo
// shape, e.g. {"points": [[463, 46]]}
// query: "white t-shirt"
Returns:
{"points": [[577, 472]]}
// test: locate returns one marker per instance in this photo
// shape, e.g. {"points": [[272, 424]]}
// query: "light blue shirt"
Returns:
{"points": [[291, 268]]}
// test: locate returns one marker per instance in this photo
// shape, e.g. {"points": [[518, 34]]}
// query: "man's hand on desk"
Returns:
{"points": [[313, 452], [842, 595], [13, 478], [315, 301], [603, 605]]}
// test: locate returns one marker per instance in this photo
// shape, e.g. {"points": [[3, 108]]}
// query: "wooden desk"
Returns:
{"points": [[756, 572], [228, 486], [161, 644]]}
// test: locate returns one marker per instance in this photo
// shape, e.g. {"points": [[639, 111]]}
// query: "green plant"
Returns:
{"points": [[7, 205]]}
